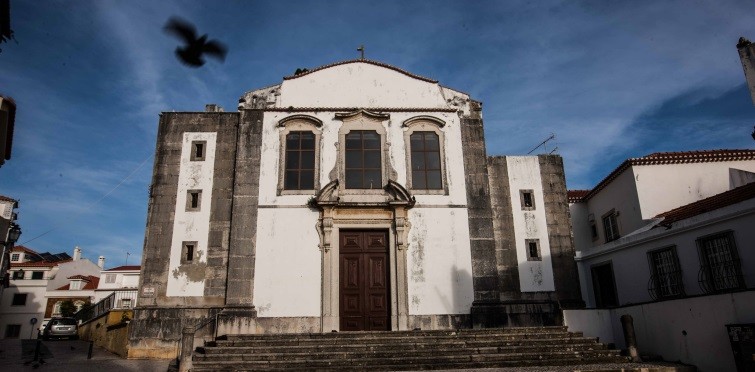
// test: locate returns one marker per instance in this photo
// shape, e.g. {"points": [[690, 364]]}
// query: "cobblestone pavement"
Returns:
{"points": [[69, 355]]}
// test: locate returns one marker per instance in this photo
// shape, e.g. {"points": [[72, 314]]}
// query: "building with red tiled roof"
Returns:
{"points": [[667, 239], [121, 284], [39, 282]]}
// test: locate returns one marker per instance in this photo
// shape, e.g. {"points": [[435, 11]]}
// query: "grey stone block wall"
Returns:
{"points": [[503, 226], [557, 219], [242, 250], [482, 241]]}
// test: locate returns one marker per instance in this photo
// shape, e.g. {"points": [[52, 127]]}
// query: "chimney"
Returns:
{"points": [[101, 262], [76, 253], [211, 107]]}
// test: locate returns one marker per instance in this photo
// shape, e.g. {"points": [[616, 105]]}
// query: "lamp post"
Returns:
{"points": [[14, 232]]}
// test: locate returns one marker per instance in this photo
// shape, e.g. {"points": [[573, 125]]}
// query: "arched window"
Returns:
{"points": [[300, 161], [425, 155], [363, 160], [299, 155], [425, 161]]}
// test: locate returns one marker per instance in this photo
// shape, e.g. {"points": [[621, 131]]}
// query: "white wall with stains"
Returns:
{"points": [[188, 280], [360, 85], [439, 262], [287, 272], [524, 174]]}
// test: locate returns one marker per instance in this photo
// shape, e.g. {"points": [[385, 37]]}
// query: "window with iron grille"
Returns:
{"points": [[611, 226], [363, 160], [300, 161], [720, 269], [12, 330], [666, 275], [426, 172]]}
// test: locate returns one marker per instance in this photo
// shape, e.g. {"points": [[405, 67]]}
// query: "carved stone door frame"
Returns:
{"points": [[390, 215]]}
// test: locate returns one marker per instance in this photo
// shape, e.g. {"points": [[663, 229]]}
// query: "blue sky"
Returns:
{"points": [[612, 80]]}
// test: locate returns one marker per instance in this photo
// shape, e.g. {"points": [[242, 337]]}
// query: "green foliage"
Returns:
{"points": [[67, 308]]}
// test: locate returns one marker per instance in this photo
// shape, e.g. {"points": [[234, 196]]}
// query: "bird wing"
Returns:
{"points": [[215, 49], [182, 29]]}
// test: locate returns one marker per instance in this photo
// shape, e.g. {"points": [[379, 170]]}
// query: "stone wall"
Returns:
{"points": [[109, 331]]}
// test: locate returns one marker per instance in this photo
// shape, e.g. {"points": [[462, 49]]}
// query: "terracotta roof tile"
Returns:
{"points": [[712, 203], [91, 282], [576, 196], [37, 264], [21, 248], [5, 198], [381, 64], [125, 268], [681, 157]]}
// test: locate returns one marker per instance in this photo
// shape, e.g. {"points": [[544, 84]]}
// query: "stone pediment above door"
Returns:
{"points": [[393, 195]]}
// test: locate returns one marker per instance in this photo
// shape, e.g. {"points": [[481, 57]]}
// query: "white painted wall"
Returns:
{"points": [[270, 156], [629, 254], [34, 307], [439, 262], [195, 225], [620, 195], [287, 272], [360, 85], [661, 188], [524, 174], [659, 326]]}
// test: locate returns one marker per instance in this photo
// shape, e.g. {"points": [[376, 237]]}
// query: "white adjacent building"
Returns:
{"points": [[37, 282], [668, 238], [121, 283]]}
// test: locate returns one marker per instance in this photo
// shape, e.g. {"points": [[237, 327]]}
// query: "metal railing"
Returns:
{"points": [[723, 277], [665, 286], [119, 299]]}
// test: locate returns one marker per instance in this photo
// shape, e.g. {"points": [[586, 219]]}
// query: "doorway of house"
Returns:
{"points": [[364, 299]]}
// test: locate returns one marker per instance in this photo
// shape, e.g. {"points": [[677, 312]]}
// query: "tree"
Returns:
{"points": [[67, 308]]}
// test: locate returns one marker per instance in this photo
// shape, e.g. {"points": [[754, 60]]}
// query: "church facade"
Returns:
{"points": [[355, 196]]}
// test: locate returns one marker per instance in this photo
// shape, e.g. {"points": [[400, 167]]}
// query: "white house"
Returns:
{"points": [[27, 302], [121, 282], [353, 196], [683, 273]]}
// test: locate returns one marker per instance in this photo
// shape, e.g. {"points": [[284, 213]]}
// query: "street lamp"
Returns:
{"points": [[13, 234]]}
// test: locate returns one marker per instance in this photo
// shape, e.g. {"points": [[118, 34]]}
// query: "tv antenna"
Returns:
{"points": [[544, 145]]}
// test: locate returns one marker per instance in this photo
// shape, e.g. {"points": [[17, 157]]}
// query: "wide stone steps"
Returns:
{"points": [[479, 346], [407, 350]]}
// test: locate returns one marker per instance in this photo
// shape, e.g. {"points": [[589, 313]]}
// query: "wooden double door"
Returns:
{"points": [[364, 298]]}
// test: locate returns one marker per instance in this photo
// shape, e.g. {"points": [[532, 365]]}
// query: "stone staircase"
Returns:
{"points": [[403, 350]]}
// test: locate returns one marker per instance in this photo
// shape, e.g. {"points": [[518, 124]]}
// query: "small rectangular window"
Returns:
{"points": [[75, 285], [12, 331], [37, 275], [188, 252], [14, 257], [18, 274], [193, 200], [527, 198], [110, 278], [533, 249], [19, 299], [611, 226], [198, 149], [126, 303]]}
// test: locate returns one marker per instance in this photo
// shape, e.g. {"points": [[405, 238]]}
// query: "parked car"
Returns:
{"points": [[61, 327]]}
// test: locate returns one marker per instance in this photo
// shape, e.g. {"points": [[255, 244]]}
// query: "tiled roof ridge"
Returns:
{"points": [[576, 196], [674, 157], [376, 63], [724, 199], [125, 268], [7, 198]]}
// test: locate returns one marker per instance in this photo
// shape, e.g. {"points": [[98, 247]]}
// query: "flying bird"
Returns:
{"points": [[191, 54]]}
